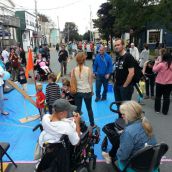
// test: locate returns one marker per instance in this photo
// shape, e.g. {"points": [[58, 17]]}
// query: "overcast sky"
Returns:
{"points": [[77, 11]]}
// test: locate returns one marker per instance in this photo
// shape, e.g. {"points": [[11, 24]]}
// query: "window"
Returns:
{"points": [[153, 36]]}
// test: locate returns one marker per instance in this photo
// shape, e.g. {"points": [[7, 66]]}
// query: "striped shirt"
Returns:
{"points": [[52, 93]]}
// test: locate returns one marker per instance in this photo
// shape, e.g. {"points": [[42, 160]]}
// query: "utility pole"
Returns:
{"points": [[36, 14], [90, 24], [68, 32]]}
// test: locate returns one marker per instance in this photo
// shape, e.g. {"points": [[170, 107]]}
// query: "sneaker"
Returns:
{"points": [[4, 113], [157, 112], [97, 99], [107, 158]]}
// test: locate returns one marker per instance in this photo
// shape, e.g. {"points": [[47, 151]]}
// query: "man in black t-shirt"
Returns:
{"points": [[124, 73], [63, 56]]}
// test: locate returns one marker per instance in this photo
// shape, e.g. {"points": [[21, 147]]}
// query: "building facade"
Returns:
{"points": [[8, 24]]}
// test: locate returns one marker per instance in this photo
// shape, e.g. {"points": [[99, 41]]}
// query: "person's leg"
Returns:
{"points": [[50, 109], [147, 87], [65, 67], [78, 102], [88, 103], [126, 92], [105, 85], [61, 66], [152, 84], [1, 99], [166, 98], [159, 89], [98, 86]]}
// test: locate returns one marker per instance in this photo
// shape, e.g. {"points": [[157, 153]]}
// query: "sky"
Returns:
{"points": [[77, 11]]}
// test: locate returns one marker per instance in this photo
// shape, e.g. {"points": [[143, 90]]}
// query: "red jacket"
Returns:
{"points": [[39, 97]]}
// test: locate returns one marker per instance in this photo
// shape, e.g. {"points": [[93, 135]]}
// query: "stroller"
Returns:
{"points": [[41, 74], [80, 158], [113, 130]]}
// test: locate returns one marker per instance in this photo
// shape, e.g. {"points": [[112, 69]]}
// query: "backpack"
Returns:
{"points": [[138, 74]]}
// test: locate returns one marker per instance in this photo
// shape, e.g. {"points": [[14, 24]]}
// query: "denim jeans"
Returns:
{"points": [[88, 102], [1, 99], [163, 90], [101, 80], [123, 93]]}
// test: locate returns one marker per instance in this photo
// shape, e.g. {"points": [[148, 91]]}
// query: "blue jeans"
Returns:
{"points": [[88, 102], [99, 81], [1, 99], [123, 93]]}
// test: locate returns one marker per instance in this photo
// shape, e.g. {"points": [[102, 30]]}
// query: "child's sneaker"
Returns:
{"points": [[107, 158]]}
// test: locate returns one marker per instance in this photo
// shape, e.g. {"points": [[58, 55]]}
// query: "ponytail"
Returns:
{"points": [[147, 126]]}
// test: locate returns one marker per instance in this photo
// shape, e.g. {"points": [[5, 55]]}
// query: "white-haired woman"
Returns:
{"points": [[137, 133]]}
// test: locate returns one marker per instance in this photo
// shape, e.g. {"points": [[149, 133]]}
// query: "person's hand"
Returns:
{"points": [[94, 75], [107, 76], [77, 117]]}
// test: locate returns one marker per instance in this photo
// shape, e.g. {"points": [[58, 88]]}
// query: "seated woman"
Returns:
{"points": [[137, 133], [54, 127]]}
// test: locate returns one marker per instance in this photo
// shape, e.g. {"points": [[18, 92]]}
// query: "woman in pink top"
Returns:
{"points": [[163, 82]]}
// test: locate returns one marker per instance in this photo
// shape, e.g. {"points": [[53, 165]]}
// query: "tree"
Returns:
{"points": [[71, 32], [43, 18], [105, 21], [86, 36]]}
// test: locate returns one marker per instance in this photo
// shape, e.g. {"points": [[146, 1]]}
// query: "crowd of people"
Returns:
{"points": [[138, 130]]}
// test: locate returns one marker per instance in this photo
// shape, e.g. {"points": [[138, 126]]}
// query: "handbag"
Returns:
{"points": [[38, 152], [73, 83]]}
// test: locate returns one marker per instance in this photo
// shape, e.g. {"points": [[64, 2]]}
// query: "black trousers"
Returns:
{"points": [[88, 102], [150, 83], [162, 90]]}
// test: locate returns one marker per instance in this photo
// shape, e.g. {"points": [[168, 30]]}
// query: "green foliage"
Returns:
{"points": [[86, 35], [43, 18], [71, 32]]}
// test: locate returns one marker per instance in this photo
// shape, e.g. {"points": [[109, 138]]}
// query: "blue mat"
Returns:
{"points": [[21, 137]]}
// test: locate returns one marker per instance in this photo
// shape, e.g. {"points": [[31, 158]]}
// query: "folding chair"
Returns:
{"points": [[3, 151], [147, 159]]}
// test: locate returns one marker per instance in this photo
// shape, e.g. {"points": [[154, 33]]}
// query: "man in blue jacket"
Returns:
{"points": [[101, 70]]}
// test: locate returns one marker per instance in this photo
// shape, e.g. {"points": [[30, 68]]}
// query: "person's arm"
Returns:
{"points": [[157, 66], [95, 66], [109, 71], [90, 79], [47, 94], [144, 67], [129, 77], [126, 146], [137, 54]]}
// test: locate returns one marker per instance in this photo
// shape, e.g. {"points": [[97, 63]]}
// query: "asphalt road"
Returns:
{"points": [[162, 124]]}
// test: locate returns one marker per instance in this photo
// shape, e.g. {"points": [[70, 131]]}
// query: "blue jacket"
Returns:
{"points": [[132, 139], [102, 66]]}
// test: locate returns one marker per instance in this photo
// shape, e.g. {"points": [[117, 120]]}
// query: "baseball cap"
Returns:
{"points": [[61, 105]]}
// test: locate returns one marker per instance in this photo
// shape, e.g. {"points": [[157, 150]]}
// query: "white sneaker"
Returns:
{"points": [[107, 158]]}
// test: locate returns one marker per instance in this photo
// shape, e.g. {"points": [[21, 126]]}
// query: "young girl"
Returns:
{"points": [[52, 91], [66, 91], [142, 89], [40, 99], [22, 78], [43, 64]]}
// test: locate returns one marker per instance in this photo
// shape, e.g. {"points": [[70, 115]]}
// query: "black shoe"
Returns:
{"points": [[97, 99], [103, 99]]}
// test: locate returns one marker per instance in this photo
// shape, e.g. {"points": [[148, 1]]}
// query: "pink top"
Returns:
{"points": [[164, 74], [41, 63]]}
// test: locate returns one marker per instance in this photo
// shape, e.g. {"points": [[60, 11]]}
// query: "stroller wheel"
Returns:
{"points": [[92, 163], [82, 169], [104, 144]]}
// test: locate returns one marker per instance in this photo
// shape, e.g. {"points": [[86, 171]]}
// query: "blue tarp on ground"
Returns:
{"points": [[21, 137]]}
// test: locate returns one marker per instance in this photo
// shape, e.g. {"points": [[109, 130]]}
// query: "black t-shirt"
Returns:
{"points": [[123, 63], [63, 55]]}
